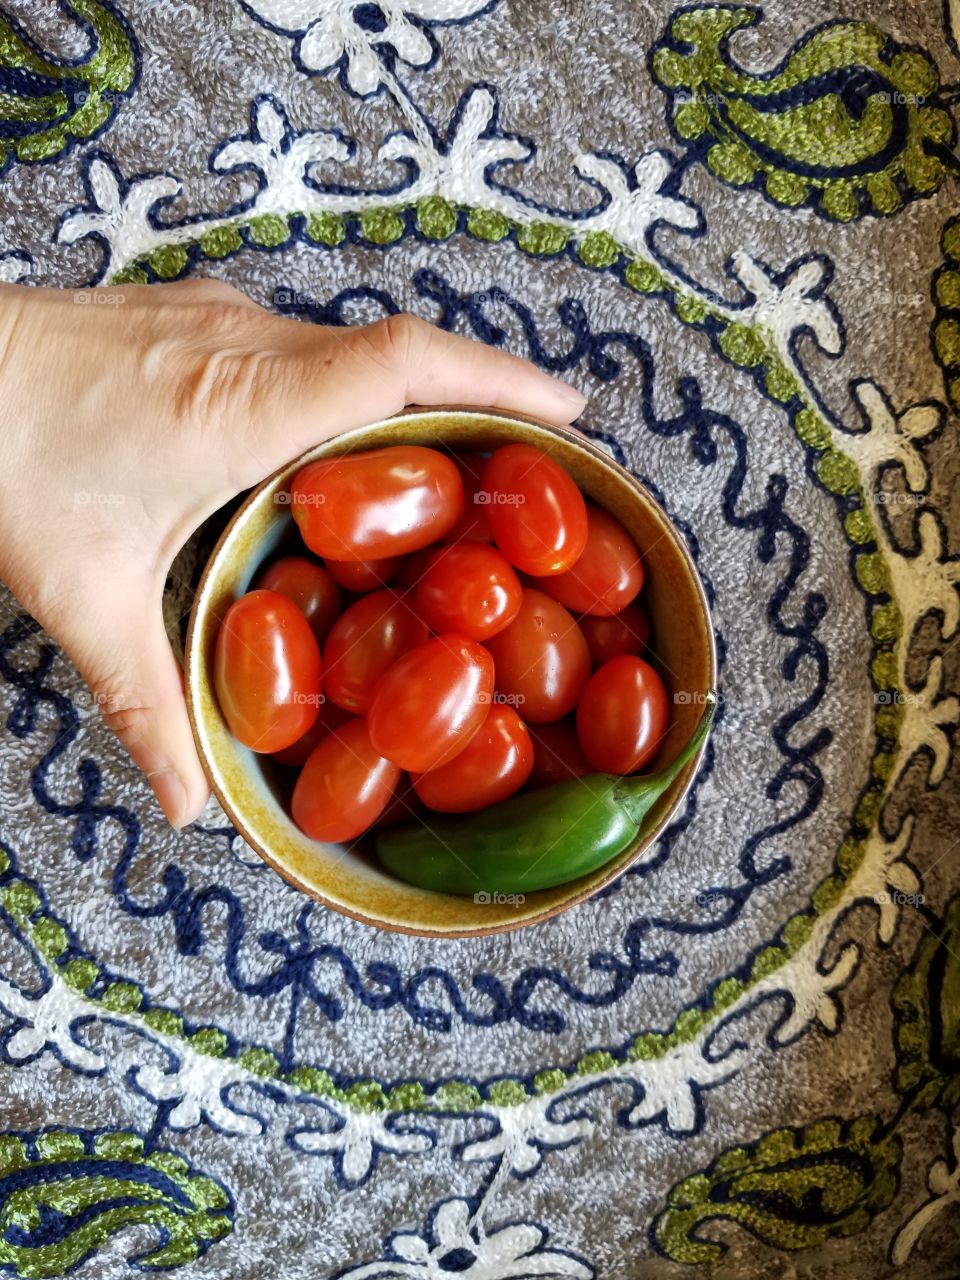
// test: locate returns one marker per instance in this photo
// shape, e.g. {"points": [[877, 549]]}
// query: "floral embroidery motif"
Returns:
{"points": [[453, 185], [455, 1243], [360, 41]]}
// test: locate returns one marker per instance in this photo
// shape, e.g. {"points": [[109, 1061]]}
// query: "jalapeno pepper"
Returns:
{"points": [[536, 840]]}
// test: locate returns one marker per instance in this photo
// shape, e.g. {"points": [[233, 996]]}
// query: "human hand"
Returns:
{"points": [[126, 425]]}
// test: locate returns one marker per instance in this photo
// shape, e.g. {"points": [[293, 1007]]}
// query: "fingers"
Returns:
{"points": [[332, 380], [138, 686], [426, 365]]}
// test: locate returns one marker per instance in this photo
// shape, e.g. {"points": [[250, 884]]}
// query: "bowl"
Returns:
{"points": [[349, 878]]}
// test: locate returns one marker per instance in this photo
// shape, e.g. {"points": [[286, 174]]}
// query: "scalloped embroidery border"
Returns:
{"points": [[745, 346]]}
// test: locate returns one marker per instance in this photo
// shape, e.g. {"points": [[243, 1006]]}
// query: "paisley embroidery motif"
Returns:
{"points": [[850, 122], [45, 104]]}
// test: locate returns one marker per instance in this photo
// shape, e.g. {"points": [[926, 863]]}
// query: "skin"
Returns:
{"points": [[157, 406]]}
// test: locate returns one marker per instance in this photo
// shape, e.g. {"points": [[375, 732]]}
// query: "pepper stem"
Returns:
{"points": [[638, 795]]}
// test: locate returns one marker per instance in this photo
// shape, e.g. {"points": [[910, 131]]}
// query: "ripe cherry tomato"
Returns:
{"points": [[625, 632], [363, 575], [473, 525], [431, 701], [366, 640], [267, 671], [310, 588], [541, 659], [607, 576], [331, 717], [623, 715], [344, 786], [494, 764], [537, 513], [557, 754], [469, 588], [404, 804], [412, 568], [382, 502]]}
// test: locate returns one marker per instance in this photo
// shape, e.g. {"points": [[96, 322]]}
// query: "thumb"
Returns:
{"points": [[136, 681]]}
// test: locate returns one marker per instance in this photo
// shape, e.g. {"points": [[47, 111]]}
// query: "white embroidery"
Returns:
{"points": [[328, 33], [513, 1251], [356, 1140]]}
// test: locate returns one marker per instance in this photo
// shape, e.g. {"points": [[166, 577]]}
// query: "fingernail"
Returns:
{"points": [[570, 393], [171, 794]]}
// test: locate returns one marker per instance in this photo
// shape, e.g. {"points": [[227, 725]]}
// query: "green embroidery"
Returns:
{"points": [[436, 218], [926, 1001], [51, 102], [850, 120], [946, 327], [598, 249], [382, 226], [73, 1191], [837, 472], [326, 228], [268, 230], [793, 1189], [542, 238]]}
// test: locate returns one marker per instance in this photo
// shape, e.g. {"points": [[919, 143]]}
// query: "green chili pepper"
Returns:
{"points": [[536, 840]]}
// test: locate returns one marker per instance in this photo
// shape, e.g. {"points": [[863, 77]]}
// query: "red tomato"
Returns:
{"points": [[331, 717], [537, 513], [310, 588], [557, 754], [494, 764], [469, 588], [381, 502], [473, 525], [344, 786], [431, 701], [625, 632], [363, 575], [267, 671], [607, 576], [541, 659], [404, 804], [623, 715], [366, 640], [412, 568]]}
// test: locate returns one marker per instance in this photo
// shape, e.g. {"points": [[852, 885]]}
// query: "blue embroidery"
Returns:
{"points": [[295, 963]]}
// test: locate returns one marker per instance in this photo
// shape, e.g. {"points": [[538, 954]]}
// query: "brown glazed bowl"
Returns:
{"points": [[349, 878]]}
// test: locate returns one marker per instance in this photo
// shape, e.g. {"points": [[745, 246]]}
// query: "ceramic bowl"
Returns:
{"points": [[349, 878]]}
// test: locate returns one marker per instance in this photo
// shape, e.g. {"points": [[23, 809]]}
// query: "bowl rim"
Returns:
{"points": [[686, 777]]}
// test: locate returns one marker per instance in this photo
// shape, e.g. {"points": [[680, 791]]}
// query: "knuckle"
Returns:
{"points": [[130, 724], [396, 338], [223, 384], [198, 290]]}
